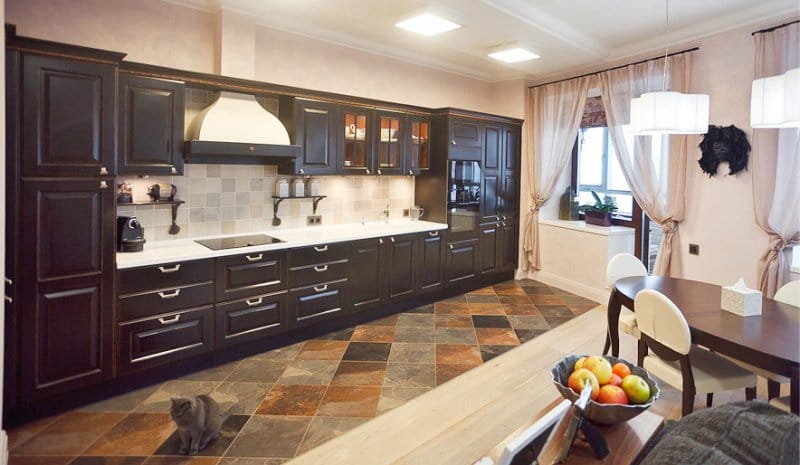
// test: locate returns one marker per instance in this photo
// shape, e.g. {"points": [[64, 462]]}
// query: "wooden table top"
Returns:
{"points": [[770, 340]]}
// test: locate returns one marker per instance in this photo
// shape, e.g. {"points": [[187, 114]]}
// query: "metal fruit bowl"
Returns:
{"points": [[603, 414]]}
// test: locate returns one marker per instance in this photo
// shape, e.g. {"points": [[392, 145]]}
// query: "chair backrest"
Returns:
{"points": [[789, 293], [623, 265], [662, 320]]}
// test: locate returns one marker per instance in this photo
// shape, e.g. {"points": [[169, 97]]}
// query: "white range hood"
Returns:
{"points": [[238, 118]]}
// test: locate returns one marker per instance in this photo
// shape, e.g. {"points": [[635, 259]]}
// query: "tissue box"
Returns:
{"points": [[743, 302]]}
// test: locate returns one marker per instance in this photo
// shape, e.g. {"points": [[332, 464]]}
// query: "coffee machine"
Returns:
{"points": [[130, 234]]}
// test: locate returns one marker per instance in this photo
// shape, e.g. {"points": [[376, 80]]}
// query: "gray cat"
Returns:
{"points": [[198, 420]]}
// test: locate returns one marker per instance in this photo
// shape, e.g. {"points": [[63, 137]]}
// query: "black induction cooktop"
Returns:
{"points": [[219, 243]]}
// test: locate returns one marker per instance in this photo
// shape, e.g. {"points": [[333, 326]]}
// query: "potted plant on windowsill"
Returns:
{"points": [[600, 213]]}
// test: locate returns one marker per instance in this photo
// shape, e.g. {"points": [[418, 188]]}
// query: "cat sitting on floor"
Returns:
{"points": [[198, 420]]}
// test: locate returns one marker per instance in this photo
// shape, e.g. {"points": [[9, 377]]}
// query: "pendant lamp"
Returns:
{"points": [[668, 112], [775, 101]]}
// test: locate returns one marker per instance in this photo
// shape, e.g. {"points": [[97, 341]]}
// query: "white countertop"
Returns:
{"points": [[157, 252]]}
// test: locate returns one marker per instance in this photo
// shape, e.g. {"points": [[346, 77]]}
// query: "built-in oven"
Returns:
{"points": [[464, 196]]}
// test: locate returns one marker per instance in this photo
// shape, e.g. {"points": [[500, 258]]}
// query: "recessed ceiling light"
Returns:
{"points": [[427, 24], [512, 53]]}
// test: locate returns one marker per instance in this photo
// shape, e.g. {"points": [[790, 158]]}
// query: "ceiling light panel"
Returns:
{"points": [[427, 24], [513, 54]]}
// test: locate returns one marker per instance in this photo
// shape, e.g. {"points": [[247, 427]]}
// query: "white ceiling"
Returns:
{"points": [[567, 34]]}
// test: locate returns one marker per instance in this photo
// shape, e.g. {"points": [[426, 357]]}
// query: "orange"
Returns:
{"points": [[621, 370]]}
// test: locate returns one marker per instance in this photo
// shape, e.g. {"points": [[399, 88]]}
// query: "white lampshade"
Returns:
{"points": [[669, 113], [775, 101]]}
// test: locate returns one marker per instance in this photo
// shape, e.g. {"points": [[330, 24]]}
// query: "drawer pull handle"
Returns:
{"points": [[169, 321], [254, 302], [451, 247], [169, 270], [174, 294], [9, 282], [433, 233], [324, 248], [254, 258], [9, 299], [320, 269], [392, 239], [103, 185], [380, 241], [322, 288]]}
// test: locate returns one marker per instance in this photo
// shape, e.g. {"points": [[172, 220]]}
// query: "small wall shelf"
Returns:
{"points": [[174, 228], [276, 200]]}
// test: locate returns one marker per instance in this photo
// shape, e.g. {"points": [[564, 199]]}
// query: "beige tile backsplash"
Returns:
{"points": [[237, 199]]}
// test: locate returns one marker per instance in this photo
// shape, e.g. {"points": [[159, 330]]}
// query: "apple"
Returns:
{"points": [[579, 364], [600, 367], [615, 380], [620, 369], [610, 394], [577, 380], [636, 388]]}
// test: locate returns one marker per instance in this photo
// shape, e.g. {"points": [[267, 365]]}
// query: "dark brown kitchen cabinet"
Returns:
{"points": [[367, 273], [68, 117], [509, 240], [490, 248], [310, 304], [250, 274], [356, 139], [418, 145], [165, 275], [312, 126], [490, 202], [165, 299], [166, 338], [66, 286], [389, 142], [251, 319], [462, 260], [401, 260], [430, 262], [150, 125], [466, 139]]}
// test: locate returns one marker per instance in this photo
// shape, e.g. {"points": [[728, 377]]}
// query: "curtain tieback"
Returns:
{"points": [[777, 243], [669, 227], [537, 205]]}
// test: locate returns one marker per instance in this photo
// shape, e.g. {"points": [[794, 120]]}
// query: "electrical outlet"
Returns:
{"points": [[313, 220], [694, 249], [406, 212]]}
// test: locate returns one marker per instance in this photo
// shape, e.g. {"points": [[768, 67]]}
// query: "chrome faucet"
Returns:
{"points": [[385, 214]]}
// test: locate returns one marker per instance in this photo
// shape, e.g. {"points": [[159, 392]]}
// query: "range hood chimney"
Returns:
{"points": [[236, 129]]}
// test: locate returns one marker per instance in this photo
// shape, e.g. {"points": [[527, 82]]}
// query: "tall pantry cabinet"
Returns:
{"points": [[60, 152]]}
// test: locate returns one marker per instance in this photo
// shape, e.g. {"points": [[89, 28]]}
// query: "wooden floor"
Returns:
{"points": [[460, 421]]}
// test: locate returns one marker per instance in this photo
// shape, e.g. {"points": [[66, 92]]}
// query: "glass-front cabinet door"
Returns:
{"points": [[419, 145], [356, 150], [389, 152]]}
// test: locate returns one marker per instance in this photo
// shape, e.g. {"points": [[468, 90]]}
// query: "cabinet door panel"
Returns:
{"points": [[250, 274], [68, 117], [315, 133], [401, 261], [509, 241], [418, 145], [150, 125], [491, 149], [462, 259], [389, 142], [430, 261], [490, 185], [466, 139], [490, 237], [251, 319], [357, 139], [511, 147], [367, 272]]}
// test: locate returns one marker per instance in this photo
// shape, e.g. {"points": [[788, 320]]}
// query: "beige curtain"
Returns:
{"points": [[554, 112], [654, 166], [775, 166]]}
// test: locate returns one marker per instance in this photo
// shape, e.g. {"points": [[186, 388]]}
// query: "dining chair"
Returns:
{"points": [[625, 265], [677, 361], [789, 293]]}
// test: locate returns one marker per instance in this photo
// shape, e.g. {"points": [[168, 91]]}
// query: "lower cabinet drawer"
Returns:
{"points": [[310, 304], [145, 304], [307, 275], [168, 338], [251, 319]]}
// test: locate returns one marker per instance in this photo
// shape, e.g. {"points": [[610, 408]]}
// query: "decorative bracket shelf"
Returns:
{"points": [[276, 200], [174, 228]]}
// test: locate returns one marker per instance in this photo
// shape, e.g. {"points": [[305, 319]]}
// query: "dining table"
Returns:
{"points": [[770, 341]]}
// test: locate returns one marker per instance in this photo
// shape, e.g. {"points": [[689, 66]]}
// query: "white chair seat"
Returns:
{"points": [[627, 323], [781, 403], [759, 371], [712, 373]]}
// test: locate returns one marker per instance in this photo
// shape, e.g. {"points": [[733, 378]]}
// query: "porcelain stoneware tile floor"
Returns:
{"points": [[289, 400]]}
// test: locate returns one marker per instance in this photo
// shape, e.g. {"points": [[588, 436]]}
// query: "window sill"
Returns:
{"points": [[589, 228]]}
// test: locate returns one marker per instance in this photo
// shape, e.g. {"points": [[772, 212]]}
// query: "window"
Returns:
{"points": [[597, 169]]}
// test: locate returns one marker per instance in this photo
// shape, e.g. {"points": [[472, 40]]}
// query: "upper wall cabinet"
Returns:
{"points": [[150, 125], [68, 112], [356, 143], [466, 139], [418, 145], [311, 125]]}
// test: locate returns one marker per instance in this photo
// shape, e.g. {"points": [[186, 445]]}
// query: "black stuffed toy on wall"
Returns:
{"points": [[724, 143]]}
